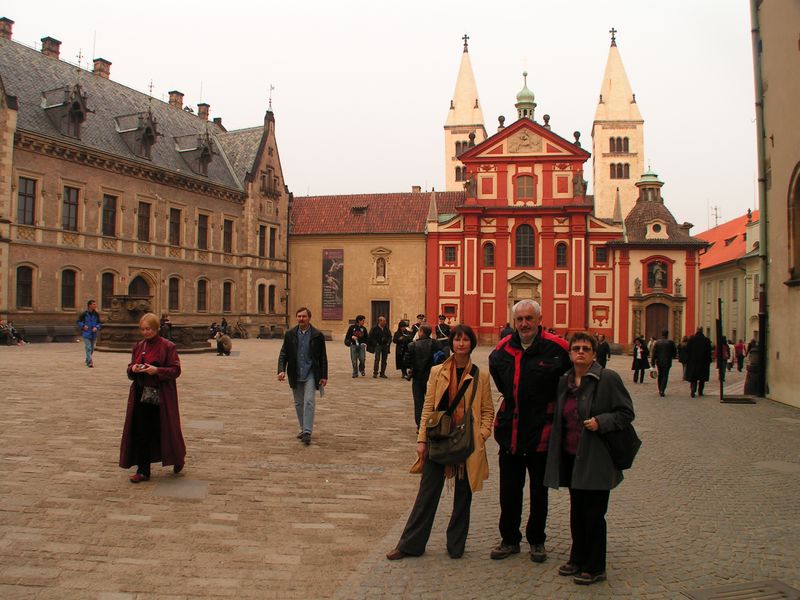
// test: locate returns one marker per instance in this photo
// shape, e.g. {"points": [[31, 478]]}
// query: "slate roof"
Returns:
{"points": [[644, 212], [241, 147], [27, 74], [368, 213], [726, 242]]}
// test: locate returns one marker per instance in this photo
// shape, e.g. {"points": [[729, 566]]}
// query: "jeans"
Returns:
{"points": [[513, 468], [381, 355], [358, 354], [304, 404], [88, 344]]}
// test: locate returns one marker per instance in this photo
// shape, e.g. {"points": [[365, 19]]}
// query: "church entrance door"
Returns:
{"points": [[656, 320]]}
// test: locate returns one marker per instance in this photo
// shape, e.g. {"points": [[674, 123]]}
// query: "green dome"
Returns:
{"points": [[525, 95], [649, 176]]}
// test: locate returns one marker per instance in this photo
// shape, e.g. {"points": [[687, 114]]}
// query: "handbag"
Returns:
{"points": [[456, 446], [150, 395]]}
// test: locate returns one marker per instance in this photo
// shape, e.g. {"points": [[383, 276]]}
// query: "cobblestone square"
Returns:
{"points": [[712, 499]]}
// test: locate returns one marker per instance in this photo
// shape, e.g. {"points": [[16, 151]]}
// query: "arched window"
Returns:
{"points": [[561, 255], [138, 287], [613, 171], [174, 300], [488, 255], [523, 245], [625, 144], [227, 293], [619, 144], [106, 290], [459, 176], [68, 289], [525, 185], [202, 295], [626, 173], [620, 172], [380, 268], [612, 145], [262, 298], [271, 299], [794, 226], [24, 287]]}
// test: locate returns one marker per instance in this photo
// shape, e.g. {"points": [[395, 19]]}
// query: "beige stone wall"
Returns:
{"points": [[605, 188], [780, 23], [8, 121], [403, 286]]}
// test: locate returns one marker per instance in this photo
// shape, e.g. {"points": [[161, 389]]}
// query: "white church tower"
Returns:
{"points": [[617, 140], [464, 117]]}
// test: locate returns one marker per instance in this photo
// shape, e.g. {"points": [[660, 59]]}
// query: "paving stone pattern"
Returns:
{"points": [[712, 499]]}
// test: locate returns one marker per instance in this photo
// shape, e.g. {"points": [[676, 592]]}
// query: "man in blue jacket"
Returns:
{"points": [[90, 324], [526, 367]]}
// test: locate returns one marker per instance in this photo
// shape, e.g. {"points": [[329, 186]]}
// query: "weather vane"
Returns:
{"points": [[271, 88]]}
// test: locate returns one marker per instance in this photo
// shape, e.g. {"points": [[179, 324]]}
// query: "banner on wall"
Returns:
{"points": [[332, 284]]}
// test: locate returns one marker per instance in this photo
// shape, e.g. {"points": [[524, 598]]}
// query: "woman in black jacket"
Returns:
{"points": [[401, 339], [640, 362]]}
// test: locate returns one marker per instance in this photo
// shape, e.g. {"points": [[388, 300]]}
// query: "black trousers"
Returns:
{"points": [[382, 355], [697, 387], [663, 377], [638, 375], [420, 521], [587, 524], [418, 388], [513, 468], [146, 435]]}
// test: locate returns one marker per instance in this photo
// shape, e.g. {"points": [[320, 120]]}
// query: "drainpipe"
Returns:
{"points": [[762, 197]]}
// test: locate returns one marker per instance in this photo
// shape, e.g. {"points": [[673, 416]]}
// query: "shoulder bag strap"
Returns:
{"points": [[451, 409]]}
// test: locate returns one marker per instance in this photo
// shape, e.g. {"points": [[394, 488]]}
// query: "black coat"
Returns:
{"points": [[419, 358], [664, 351], [379, 338], [641, 363], [603, 353], [698, 358], [287, 359], [525, 416], [401, 339]]}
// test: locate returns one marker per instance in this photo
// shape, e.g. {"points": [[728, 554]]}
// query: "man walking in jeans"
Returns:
{"points": [[90, 325], [304, 360], [526, 368]]}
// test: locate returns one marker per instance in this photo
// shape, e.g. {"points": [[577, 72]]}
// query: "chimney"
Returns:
{"points": [[202, 110], [6, 25], [416, 189], [218, 123], [176, 99], [102, 68], [51, 47]]}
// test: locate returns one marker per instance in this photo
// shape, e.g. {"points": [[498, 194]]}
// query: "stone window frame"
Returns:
{"points": [[228, 296], [68, 298], [31, 292], [793, 221], [385, 254], [103, 296], [33, 198], [174, 308], [516, 246]]}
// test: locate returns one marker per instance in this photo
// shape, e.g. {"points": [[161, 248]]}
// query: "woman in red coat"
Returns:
{"points": [[152, 429]]}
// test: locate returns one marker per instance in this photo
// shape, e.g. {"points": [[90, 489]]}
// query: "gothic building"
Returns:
{"points": [[107, 191]]}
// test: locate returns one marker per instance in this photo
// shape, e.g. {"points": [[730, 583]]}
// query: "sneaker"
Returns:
{"points": [[589, 578], [306, 438], [504, 550], [568, 569], [538, 553]]}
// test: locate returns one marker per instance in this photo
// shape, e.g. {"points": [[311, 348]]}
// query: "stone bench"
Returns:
{"points": [[36, 333], [64, 333]]}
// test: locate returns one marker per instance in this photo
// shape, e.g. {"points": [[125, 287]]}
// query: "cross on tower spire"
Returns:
{"points": [[613, 33], [466, 39]]}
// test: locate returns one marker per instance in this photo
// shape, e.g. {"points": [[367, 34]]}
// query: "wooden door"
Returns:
{"points": [[656, 320], [380, 308]]}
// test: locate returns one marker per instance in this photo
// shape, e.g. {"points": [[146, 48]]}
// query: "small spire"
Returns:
{"points": [[466, 40], [271, 89], [613, 33]]}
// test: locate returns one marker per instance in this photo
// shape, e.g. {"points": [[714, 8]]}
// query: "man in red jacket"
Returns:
{"points": [[526, 368]]}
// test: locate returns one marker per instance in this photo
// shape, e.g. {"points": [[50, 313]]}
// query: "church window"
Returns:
{"points": [[26, 201], [68, 289], [143, 222], [460, 173], [24, 287], [271, 299], [523, 246], [613, 171], [620, 172], [626, 173], [262, 295], [561, 255], [449, 255], [794, 225], [625, 144], [227, 293], [619, 144], [601, 255], [488, 255], [202, 295], [69, 218], [526, 187], [174, 294], [612, 144]]}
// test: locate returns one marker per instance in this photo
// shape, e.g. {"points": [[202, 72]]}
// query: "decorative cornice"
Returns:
{"points": [[99, 160]]}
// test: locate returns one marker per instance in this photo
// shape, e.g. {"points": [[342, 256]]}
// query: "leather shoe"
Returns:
{"points": [[383, 376], [396, 554], [568, 569], [504, 550], [139, 477], [538, 553], [589, 578]]}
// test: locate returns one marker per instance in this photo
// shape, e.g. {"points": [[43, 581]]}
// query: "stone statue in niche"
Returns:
{"points": [[657, 274], [678, 287], [637, 286]]}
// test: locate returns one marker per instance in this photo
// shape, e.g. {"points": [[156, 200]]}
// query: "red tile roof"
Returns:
{"points": [[368, 213], [727, 242]]}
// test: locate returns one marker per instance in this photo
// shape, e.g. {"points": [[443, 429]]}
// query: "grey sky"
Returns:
{"points": [[363, 87]]}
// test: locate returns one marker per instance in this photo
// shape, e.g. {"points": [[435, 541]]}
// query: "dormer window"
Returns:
{"points": [[139, 131], [67, 109], [197, 150], [358, 210], [657, 230]]}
